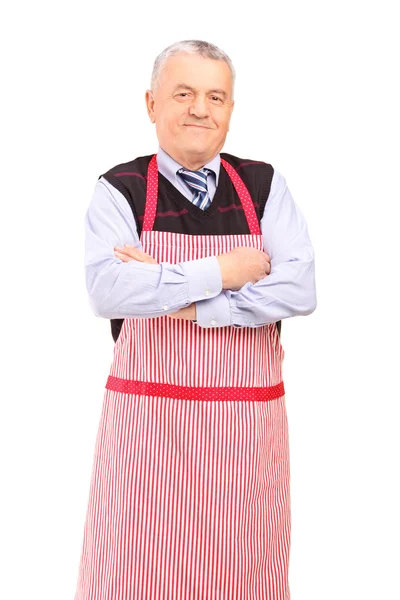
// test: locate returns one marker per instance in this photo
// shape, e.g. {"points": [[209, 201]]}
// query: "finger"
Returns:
{"points": [[122, 257], [267, 267], [258, 277], [129, 251], [148, 259], [151, 260], [135, 254], [142, 256], [132, 252]]}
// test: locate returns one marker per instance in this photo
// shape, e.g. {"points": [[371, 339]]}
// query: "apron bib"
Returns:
{"points": [[189, 496]]}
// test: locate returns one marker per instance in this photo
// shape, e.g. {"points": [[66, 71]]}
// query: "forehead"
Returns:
{"points": [[196, 72]]}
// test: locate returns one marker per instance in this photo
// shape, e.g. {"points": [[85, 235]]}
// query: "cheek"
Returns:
{"points": [[170, 118], [175, 117], [221, 119], [223, 125]]}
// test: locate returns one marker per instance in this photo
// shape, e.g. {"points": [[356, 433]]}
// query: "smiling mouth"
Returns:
{"points": [[198, 126]]}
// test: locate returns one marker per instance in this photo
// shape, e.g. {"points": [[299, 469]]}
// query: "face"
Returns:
{"points": [[191, 108]]}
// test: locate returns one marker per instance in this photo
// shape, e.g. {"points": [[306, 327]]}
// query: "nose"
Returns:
{"points": [[199, 107]]}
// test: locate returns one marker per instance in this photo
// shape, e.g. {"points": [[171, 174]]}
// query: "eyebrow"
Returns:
{"points": [[188, 87]]}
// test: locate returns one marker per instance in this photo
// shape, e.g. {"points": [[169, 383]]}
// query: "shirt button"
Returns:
{"points": [[252, 324], [207, 292], [213, 322], [165, 307]]}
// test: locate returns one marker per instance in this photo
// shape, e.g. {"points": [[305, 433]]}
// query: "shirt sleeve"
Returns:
{"points": [[289, 290], [133, 289]]}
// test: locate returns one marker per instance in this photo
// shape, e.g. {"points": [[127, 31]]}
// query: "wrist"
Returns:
{"points": [[221, 262]]}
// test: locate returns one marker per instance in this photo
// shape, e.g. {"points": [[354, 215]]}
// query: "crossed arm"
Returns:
{"points": [[237, 268], [119, 289]]}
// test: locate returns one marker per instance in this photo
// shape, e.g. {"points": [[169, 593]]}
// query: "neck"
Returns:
{"points": [[193, 163], [192, 166]]}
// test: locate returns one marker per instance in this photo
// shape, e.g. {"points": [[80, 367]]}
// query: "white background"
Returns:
{"points": [[316, 97]]}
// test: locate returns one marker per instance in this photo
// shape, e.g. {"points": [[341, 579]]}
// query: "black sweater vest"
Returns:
{"points": [[175, 213]]}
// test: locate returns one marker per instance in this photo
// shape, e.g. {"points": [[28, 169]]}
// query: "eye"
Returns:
{"points": [[216, 98]]}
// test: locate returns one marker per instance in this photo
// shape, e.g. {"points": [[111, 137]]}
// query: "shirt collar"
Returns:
{"points": [[169, 167]]}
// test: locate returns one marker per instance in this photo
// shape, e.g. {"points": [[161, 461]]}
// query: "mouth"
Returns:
{"points": [[198, 126]]}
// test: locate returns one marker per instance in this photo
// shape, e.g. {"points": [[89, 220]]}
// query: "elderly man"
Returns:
{"points": [[195, 256]]}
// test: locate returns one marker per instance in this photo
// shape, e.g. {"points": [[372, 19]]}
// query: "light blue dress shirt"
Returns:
{"points": [[120, 290]]}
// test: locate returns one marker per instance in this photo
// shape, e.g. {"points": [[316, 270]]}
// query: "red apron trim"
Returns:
{"points": [[181, 392]]}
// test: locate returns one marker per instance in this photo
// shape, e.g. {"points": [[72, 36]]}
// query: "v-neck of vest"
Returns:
{"points": [[184, 202]]}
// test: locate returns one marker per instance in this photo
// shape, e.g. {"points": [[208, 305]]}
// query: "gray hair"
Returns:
{"points": [[205, 50]]}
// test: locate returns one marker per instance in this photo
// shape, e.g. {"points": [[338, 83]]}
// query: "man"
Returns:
{"points": [[195, 256]]}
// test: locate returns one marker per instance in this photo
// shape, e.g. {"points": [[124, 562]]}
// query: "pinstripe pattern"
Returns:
{"points": [[190, 500]]}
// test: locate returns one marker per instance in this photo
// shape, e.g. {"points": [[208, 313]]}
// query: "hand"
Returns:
{"points": [[188, 313], [243, 265], [128, 253]]}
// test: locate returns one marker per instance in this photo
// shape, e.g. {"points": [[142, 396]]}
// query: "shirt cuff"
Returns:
{"points": [[215, 312], [204, 278]]}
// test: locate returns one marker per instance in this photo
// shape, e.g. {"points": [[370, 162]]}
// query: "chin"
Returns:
{"points": [[194, 146]]}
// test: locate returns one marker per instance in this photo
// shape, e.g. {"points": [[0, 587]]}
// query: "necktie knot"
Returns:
{"points": [[197, 181]]}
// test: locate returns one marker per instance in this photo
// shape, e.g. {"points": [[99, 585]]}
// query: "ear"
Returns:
{"points": [[230, 113], [150, 105]]}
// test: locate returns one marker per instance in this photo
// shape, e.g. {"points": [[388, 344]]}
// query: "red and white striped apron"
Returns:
{"points": [[190, 490]]}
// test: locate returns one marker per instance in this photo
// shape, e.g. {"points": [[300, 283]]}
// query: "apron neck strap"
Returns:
{"points": [[245, 198], [151, 195]]}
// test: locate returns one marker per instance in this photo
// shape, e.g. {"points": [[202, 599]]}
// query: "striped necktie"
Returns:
{"points": [[197, 181]]}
